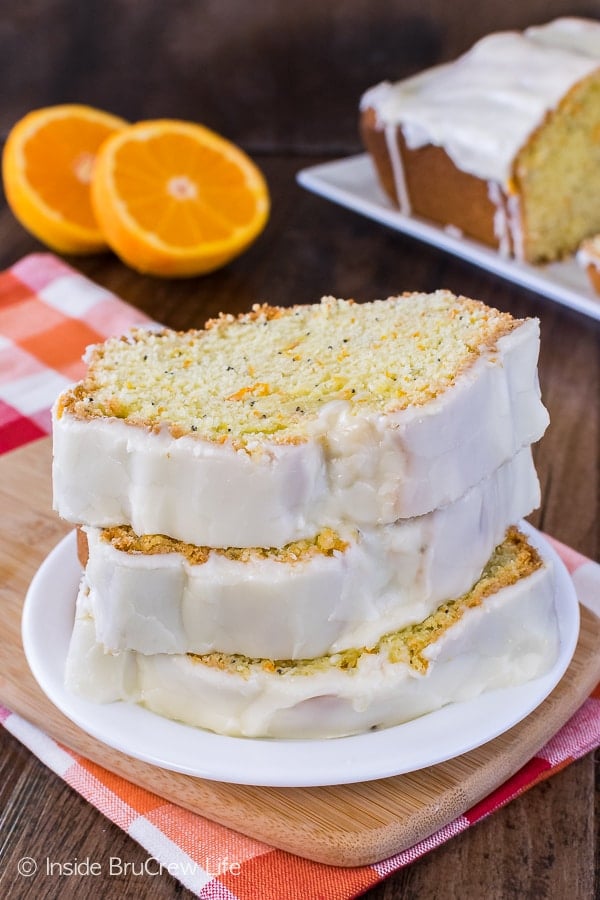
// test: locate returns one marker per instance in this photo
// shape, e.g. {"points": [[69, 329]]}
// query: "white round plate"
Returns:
{"points": [[455, 729]]}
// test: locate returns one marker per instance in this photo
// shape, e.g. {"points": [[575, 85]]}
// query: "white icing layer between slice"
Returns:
{"points": [[511, 638], [387, 577]]}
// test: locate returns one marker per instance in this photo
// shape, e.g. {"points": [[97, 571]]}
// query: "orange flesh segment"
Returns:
{"points": [[184, 192], [66, 148]]}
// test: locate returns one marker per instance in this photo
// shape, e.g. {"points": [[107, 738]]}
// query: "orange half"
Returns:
{"points": [[47, 166], [174, 198]]}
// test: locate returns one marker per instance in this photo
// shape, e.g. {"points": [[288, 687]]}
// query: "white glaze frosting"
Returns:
{"points": [[581, 36], [511, 638], [502, 225], [361, 470], [388, 577], [482, 107]]}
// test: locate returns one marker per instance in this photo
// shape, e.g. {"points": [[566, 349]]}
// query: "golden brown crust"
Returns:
{"points": [[593, 273], [375, 143], [326, 542], [260, 312], [437, 189], [82, 547]]}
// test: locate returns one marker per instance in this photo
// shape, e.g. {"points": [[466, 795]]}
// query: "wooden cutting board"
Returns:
{"points": [[344, 825]]}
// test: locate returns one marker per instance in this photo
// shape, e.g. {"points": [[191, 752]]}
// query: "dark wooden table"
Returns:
{"points": [[545, 844]]}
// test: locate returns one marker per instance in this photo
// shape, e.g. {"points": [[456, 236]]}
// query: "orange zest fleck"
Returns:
{"points": [[260, 389]]}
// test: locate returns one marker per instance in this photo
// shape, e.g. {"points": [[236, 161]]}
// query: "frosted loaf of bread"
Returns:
{"points": [[501, 143]]}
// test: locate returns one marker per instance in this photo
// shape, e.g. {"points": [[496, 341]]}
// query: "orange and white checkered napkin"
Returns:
{"points": [[48, 314]]}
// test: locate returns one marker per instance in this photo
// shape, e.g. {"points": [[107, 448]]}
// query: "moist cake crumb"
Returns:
{"points": [[268, 373]]}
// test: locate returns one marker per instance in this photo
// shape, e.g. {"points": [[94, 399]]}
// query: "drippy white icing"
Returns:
{"points": [[511, 638], [501, 225], [482, 107], [387, 577], [361, 470], [393, 149], [588, 253], [515, 225], [569, 33]]}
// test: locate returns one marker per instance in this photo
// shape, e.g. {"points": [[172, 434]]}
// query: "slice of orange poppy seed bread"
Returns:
{"points": [[262, 429]]}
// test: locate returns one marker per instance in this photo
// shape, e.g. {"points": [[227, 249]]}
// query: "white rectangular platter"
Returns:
{"points": [[352, 183]]}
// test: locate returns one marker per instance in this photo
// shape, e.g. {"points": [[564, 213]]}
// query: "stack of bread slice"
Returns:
{"points": [[302, 522]]}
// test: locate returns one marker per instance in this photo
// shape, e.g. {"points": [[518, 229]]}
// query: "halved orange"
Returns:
{"points": [[174, 198], [47, 167]]}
